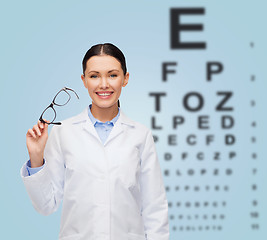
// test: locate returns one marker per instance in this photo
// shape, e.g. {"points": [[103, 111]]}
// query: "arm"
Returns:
{"points": [[45, 188], [154, 202]]}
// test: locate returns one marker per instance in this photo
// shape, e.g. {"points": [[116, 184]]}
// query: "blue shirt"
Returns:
{"points": [[103, 130]]}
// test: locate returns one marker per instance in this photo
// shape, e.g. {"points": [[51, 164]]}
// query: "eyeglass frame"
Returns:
{"points": [[53, 103]]}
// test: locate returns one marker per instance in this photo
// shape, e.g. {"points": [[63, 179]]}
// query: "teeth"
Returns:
{"points": [[104, 94]]}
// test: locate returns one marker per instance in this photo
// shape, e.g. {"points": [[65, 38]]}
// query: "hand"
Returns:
{"points": [[36, 139]]}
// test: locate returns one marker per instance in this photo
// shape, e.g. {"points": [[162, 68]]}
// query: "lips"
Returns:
{"points": [[106, 93]]}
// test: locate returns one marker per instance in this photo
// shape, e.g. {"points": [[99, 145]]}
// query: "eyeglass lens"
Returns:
{"points": [[49, 114], [62, 98]]}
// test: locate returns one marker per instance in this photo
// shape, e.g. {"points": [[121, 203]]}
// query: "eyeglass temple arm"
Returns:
{"points": [[56, 123], [72, 91]]}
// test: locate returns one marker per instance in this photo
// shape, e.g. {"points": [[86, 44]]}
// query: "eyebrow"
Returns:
{"points": [[108, 71]]}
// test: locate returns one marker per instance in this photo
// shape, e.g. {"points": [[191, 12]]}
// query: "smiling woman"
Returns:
{"points": [[104, 76], [100, 163]]}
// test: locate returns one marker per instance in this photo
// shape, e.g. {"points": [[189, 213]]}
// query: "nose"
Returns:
{"points": [[104, 83]]}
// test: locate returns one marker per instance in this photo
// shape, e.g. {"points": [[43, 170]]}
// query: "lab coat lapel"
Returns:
{"points": [[89, 127], [86, 123], [118, 128], [115, 131]]}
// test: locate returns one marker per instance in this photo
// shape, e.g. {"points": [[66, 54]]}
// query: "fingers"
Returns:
{"points": [[37, 130], [31, 133], [43, 125], [46, 125], [40, 124], [47, 120]]}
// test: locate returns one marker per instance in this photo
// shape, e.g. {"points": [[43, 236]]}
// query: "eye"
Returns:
{"points": [[93, 76], [113, 75]]}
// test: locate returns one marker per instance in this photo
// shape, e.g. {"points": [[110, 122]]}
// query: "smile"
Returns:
{"points": [[104, 95]]}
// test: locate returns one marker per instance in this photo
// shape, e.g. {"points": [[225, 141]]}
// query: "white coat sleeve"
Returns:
{"points": [[45, 188], [154, 201]]}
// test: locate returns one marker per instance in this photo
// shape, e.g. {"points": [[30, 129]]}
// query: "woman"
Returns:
{"points": [[102, 164]]}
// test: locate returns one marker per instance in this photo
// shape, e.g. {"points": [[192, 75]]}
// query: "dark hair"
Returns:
{"points": [[105, 49]]}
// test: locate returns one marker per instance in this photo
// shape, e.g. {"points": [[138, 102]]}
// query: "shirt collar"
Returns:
{"points": [[95, 120]]}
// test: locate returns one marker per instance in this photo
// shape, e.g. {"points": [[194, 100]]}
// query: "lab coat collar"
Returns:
{"points": [[88, 126], [83, 116]]}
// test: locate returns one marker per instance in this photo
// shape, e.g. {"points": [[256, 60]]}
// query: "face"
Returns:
{"points": [[104, 79]]}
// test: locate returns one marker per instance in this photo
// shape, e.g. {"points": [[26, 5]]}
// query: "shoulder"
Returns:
{"points": [[142, 137], [81, 117]]}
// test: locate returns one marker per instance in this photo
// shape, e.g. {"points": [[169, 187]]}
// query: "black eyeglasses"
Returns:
{"points": [[61, 99]]}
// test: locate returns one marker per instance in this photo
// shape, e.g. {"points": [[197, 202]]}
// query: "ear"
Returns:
{"points": [[126, 78], [84, 81]]}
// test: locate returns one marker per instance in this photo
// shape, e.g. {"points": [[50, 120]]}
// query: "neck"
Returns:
{"points": [[104, 114]]}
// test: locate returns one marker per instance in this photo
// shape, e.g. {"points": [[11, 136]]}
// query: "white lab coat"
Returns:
{"points": [[113, 191]]}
